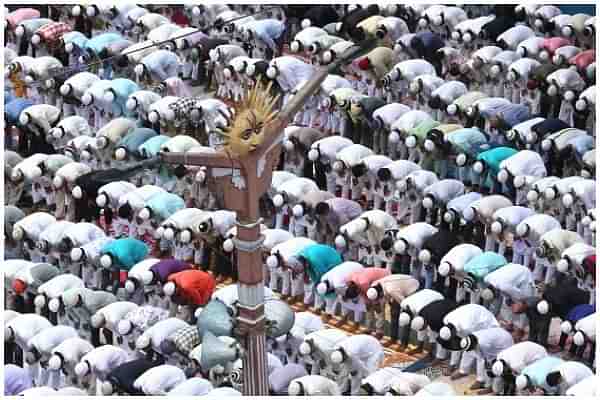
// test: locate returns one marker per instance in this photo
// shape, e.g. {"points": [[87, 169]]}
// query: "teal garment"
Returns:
{"points": [[165, 204], [97, 43], [97, 91], [215, 318], [151, 147], [465, 139], [166, 179], [492, 159], [321, 259], [133, 140], [538, 371], [77, 38], [122, 88], [32, 25], [126, 252], [484, 263]]}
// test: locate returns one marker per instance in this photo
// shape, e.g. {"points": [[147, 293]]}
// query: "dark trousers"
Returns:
{"points": [[111, 279], [395, 314], [539, 325], [10, 354], [563, 341], [450, 291], [509, 385], [95, 339]]}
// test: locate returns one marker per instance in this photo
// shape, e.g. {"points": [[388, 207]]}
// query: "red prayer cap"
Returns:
{"points": [[590, 265], [364, 64], [19, 286]]}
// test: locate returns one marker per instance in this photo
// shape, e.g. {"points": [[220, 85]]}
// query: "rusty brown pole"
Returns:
{"points": [[242, 196]]}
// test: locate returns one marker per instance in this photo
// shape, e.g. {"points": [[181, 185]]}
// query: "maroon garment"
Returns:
{"points": [[179, 18]]}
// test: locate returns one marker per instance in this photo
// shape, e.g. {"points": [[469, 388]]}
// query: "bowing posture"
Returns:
{"points": [[482, 347], [513, 360], [357, 356]]}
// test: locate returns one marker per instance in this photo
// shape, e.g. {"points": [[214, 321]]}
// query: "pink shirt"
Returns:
{"points": [[20, 15], [583, 59], [364, 278], [553, 43]]}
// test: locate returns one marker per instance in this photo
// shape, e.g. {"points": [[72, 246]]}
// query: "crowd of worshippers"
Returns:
{"points": [[435, 196]]}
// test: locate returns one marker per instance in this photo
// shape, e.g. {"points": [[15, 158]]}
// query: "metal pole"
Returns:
{"points": [[251, 318]]}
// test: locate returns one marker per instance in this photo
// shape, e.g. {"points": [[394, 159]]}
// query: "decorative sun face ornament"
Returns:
{"points": [[246, 131]]}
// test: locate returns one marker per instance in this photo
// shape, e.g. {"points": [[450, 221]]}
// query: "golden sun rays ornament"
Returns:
{"points": [[246, 131]]}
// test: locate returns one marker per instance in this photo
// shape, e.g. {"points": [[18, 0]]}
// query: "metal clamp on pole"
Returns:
{"points": [[248, 247], [250, 225]]}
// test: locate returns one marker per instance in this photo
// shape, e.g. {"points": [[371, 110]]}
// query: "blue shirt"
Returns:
{"points": [[123, 88], [580, 311], [96, 44], [13, 110], [513, 114], [133, 140], [582, 143], [159, 62], [538, 371], [8, 96], [165, 204], [267, 30], [77, 38]]}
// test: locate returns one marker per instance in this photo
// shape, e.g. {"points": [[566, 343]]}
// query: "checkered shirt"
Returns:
{"points": [[146, 316], [183, 107], [52, 32], [186, 339]]}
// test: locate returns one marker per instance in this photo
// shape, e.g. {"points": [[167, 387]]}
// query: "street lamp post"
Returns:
{"points": [[243, 180]]}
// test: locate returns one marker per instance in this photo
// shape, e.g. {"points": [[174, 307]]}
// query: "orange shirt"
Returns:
{"points": [[18, 86], [194, 286]]}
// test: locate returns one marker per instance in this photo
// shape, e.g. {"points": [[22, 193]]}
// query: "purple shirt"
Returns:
{"points": [[280, 379], [342, 211], [165, 268], [16, 379]]}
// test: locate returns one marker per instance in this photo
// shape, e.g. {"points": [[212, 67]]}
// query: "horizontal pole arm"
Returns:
{"points": [[217, 160]]}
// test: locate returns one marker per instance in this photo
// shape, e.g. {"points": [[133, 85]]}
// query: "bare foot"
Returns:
{"points": [[437, 362], [396, 347], [363, 329], [450, 370], [477, 386], [457, 375], [554, 349], [351, 325], [518, 334], [338, 323], [415, 350]]}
